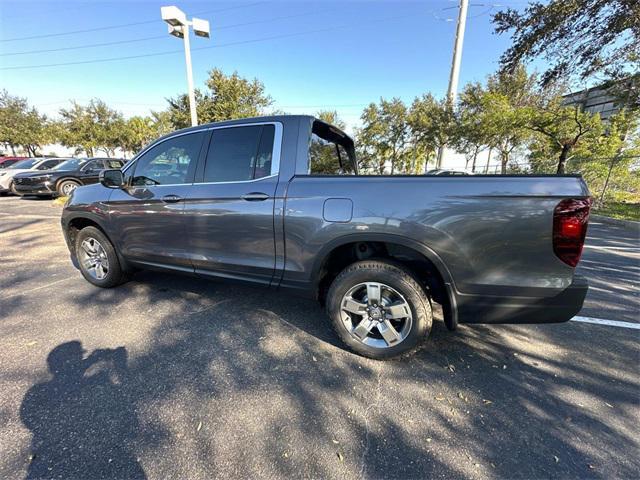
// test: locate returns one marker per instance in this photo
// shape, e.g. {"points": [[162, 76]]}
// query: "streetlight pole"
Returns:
{"points": [[179, 27], [192, 95], [455, 63]]}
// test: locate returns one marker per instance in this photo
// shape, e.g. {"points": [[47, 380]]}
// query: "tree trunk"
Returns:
{"points": [[606, 182], [504, 158], [562, 160], [13, 149], [473, 164], [486, 168]]}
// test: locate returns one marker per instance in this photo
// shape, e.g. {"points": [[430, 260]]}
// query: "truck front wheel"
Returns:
{"points": [[379, 309]]}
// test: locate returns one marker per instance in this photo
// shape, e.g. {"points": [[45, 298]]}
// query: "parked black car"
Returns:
{"points": [[64, 178]]}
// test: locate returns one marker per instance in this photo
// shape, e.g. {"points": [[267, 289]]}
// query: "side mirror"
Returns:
{"points": [[112, 178]]}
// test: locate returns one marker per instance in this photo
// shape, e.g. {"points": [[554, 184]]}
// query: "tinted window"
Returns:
{"points": [[169, 162], [113, 163], [25, 163], [48, 164], [93, 165], [72, 164], [328, 151], [239, 153]]}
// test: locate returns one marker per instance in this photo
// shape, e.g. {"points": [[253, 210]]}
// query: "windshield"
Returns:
{"points": [[72, 164], [28, 163]]}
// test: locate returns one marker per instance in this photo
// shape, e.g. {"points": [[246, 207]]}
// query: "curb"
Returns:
{"points": [[614, 221]]}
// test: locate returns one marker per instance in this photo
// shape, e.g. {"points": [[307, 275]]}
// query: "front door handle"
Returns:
{"points": [[171, 198], [255, 197]]}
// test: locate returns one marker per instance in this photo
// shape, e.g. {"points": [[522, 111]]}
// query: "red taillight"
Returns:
{"points": [[570, 219]]}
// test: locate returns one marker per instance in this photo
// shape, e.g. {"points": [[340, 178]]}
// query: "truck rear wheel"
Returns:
{"points": [[379, 309]]}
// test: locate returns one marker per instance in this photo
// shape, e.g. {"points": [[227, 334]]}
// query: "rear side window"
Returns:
{"points": [[113, 163], [48, 164], [239, 154], [329, 151]]}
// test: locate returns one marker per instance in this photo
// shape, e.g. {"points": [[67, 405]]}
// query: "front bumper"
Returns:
{"points": [[522, 309], [35, 189]]}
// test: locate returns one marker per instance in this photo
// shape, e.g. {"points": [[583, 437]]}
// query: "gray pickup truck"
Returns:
{"points": [[278, 201]]}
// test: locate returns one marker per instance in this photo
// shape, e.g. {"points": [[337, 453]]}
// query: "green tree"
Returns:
{"points": [[384, 138], [432, 123], [563, 127], [609, 161], [227, 97], [21, 125], [136, 133], [472, 131], [91, 128], [161, 123], [331, 117], [578, 37]]}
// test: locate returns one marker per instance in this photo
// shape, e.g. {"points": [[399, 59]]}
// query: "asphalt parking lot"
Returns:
{"points": [[202, 379]]}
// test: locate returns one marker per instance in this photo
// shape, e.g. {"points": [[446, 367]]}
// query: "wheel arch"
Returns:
{"points": [[76, 223], [418, 258]]}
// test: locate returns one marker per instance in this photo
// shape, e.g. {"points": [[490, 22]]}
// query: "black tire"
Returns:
{"points": [[64, 185], [399, 279], [114, 274], [14, 191]]}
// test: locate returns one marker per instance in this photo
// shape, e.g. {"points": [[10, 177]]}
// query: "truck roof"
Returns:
{"points": [[267, 118]]}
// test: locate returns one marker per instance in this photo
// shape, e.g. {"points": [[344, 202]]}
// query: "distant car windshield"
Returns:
{"points": [[28, 163], [72, 164]]}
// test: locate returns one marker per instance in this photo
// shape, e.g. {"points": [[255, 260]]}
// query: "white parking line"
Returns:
{"points": [[24, 292], [610, 323], [607, 248]]}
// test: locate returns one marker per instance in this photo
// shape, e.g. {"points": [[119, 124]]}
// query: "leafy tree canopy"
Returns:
{"points": [[227, 97], [583, 38], [21, 125]]}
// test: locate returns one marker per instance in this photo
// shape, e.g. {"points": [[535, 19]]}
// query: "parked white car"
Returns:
{"points": [[27, 165]]}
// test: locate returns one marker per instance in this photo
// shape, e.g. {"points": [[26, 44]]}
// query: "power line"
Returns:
{"points": [[92, 45], [122, 25], [173, 52], [137, 40]]}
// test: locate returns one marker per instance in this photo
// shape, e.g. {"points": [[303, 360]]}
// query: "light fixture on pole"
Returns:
{"points": [[178, 25]]}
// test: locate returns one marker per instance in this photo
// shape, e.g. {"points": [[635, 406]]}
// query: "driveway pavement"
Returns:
{"points": [[191, 379]]}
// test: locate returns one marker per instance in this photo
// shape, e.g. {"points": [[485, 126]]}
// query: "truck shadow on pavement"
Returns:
{"points": [[233, 381]]}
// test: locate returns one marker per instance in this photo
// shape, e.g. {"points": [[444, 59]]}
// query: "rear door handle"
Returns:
{"points": [[255, 197], [171, 198]]}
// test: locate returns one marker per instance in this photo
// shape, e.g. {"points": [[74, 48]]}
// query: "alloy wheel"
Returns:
{"points": [[376, 314], [67, 188], [94, 258]]}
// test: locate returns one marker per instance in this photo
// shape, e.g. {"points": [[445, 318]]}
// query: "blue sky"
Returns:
{"points": [[332, 55]]}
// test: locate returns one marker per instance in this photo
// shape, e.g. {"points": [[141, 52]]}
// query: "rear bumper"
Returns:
{"points": [[516, 309]]}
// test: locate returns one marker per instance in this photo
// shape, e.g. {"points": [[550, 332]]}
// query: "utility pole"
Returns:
{"points": [[455, 64]]}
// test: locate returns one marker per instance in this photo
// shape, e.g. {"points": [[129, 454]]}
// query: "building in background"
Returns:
{"points": [[607, 99]]}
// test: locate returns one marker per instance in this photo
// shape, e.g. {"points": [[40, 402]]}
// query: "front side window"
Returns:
{"points": [[329, 151], [92, 166], [239, 153], [170, 162]]}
